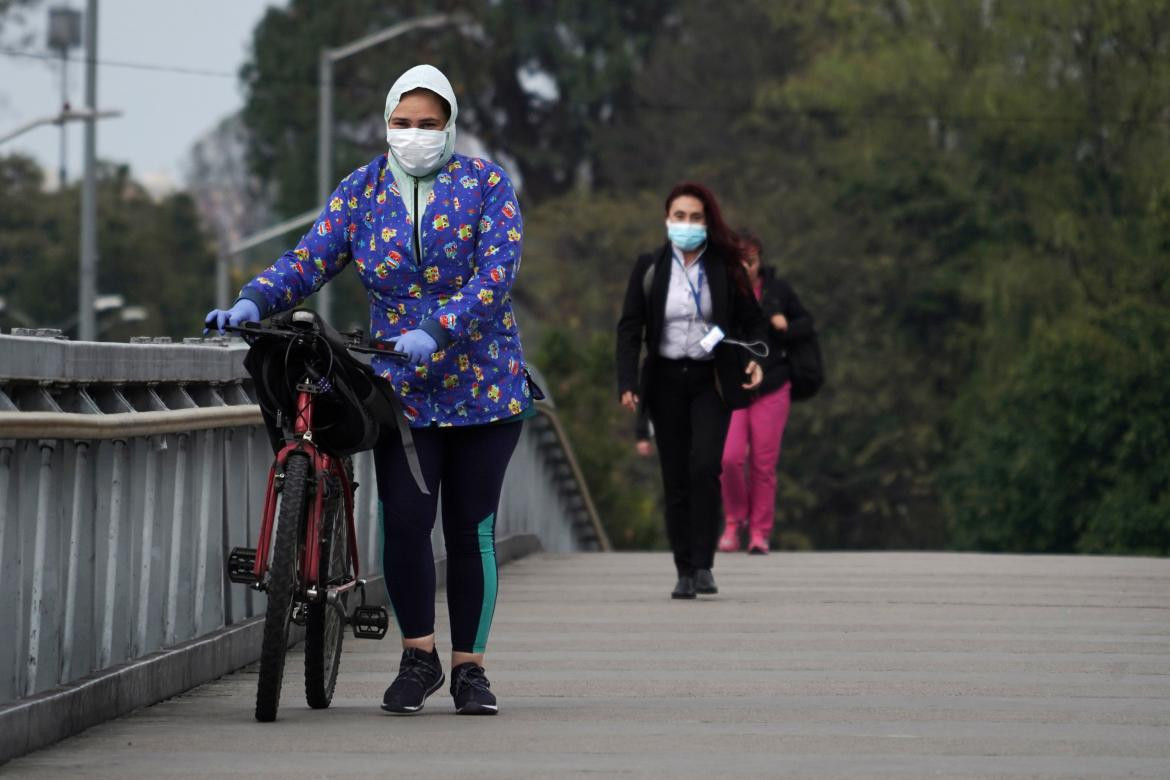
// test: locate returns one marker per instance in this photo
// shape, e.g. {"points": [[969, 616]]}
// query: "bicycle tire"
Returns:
{"points": [[282, 580], [325, 623]]}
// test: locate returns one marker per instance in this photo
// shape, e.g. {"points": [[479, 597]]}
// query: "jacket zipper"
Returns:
{"points": [[417, 244]]}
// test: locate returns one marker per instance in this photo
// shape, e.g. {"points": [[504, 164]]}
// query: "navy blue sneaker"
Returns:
{"points": [[419, 675], [472, 691]]}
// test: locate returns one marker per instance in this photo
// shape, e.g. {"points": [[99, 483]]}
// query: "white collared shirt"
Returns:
{"points": [[684, 325]]}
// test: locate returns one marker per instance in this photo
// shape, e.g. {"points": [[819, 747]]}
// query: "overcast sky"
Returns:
{"points": [[163, 112]]}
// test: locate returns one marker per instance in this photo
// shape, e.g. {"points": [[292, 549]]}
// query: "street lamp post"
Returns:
{"points": [[87, 283], [64, 34], [69, 115]]}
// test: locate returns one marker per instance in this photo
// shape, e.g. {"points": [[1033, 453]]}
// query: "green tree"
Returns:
{"points": [[942, 183], [988, 171], [152, 252], [578, 249], [1069, 451], [538, 82], [967, 195]]}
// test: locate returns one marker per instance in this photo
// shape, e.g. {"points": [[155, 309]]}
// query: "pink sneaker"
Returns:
{"points": [[729, 542], [758, 545]]}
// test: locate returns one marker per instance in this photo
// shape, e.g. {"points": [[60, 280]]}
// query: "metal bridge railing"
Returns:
{"points": [[128, 471]]}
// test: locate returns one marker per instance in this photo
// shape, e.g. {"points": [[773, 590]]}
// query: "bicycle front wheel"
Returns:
{"points": [[282, 581], [324, 622]]}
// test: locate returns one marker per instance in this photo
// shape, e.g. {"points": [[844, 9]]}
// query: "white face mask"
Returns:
{"points": [[417, 151]]}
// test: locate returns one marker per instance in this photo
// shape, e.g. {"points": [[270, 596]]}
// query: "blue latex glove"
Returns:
{"points": [[417, 343], [241, 311]]}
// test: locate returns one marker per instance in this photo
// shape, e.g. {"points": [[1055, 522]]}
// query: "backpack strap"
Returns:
{"points": [[648, 276], [648, 281], [382, 403]]}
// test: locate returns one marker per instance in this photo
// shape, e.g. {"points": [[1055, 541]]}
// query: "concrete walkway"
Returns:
{"points": [[806, 665]]}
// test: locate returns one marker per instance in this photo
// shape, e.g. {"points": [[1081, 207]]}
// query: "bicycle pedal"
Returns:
{"points": [[241, 561], [370, 622], [299, 615]]}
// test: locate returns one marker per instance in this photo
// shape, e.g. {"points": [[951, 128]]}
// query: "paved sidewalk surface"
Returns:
{"points": [[817, 665]]}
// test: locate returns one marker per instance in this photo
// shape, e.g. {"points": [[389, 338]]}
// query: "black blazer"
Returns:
{"points": [[779, 298], [732, 309]]}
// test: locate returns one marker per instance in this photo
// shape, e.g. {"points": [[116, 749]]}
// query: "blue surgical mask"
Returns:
{"points": [[686, 235]]}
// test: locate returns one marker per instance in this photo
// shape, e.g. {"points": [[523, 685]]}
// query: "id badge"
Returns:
{"points": [[713, 337]]}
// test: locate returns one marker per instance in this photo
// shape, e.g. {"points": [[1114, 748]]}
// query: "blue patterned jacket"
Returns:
{"points": [[459, 292]]}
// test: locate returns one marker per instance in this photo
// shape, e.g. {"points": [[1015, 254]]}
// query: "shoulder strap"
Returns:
{"points": [[384, 406], [648, 276]]}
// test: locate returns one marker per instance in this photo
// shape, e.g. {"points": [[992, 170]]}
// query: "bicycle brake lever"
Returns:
{"points": [[378, 348]]}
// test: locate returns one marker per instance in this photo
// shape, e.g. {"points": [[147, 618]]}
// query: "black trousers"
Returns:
{"points": [[690, 424], [466, 465]]}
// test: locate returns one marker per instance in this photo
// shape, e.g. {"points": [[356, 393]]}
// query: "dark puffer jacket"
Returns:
{"points": [[778, 297]]}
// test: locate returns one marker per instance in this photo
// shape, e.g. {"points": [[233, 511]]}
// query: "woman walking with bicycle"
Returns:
{"points": [[436, 238]]}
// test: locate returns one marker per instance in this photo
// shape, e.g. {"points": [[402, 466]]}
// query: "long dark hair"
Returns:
{"points": [[748, 238], [721, 240]]}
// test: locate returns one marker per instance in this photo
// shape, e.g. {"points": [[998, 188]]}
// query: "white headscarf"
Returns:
{"points": [[431, 78]]}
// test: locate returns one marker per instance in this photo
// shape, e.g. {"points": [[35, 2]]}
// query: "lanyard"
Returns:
{"points": [[697, 294]]}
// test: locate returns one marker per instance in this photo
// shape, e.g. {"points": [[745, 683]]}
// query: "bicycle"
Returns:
{"points": [[306, 556]]}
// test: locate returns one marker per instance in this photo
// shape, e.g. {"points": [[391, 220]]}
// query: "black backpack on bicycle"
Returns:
{"points": [[353, 406]]}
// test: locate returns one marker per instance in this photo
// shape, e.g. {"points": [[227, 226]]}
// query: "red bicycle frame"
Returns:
{"points": [[323, 465]]}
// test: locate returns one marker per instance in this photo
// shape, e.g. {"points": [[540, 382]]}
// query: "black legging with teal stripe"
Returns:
{"points": [[464, 464]]}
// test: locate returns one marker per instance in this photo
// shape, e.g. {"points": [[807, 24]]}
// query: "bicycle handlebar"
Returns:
{"points": [[354, 342]]}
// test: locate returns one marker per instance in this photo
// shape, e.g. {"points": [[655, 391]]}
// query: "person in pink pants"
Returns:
{"points": [[752, 448], [750, 455]]}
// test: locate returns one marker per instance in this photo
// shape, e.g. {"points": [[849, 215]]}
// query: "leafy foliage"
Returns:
{"points": [[968, 195], [539, 82], [1070, 450], [151, 252]]}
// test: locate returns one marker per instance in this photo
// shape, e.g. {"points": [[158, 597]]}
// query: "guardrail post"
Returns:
{"points": [[205, 610], [150, 497], [171, 630], [42, 636], [10, 575], [109, 603], [80, 527]]}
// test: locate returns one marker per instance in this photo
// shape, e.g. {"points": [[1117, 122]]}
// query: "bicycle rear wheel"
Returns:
{"points": [[324, 622], [282, 581]]}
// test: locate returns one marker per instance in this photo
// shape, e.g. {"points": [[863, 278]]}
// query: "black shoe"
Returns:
{"points": [[419, 675], [685, 589], [705, 582], [471, 690]]}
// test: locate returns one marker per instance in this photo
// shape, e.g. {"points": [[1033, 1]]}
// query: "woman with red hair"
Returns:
{"points": [[683, 302]]}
